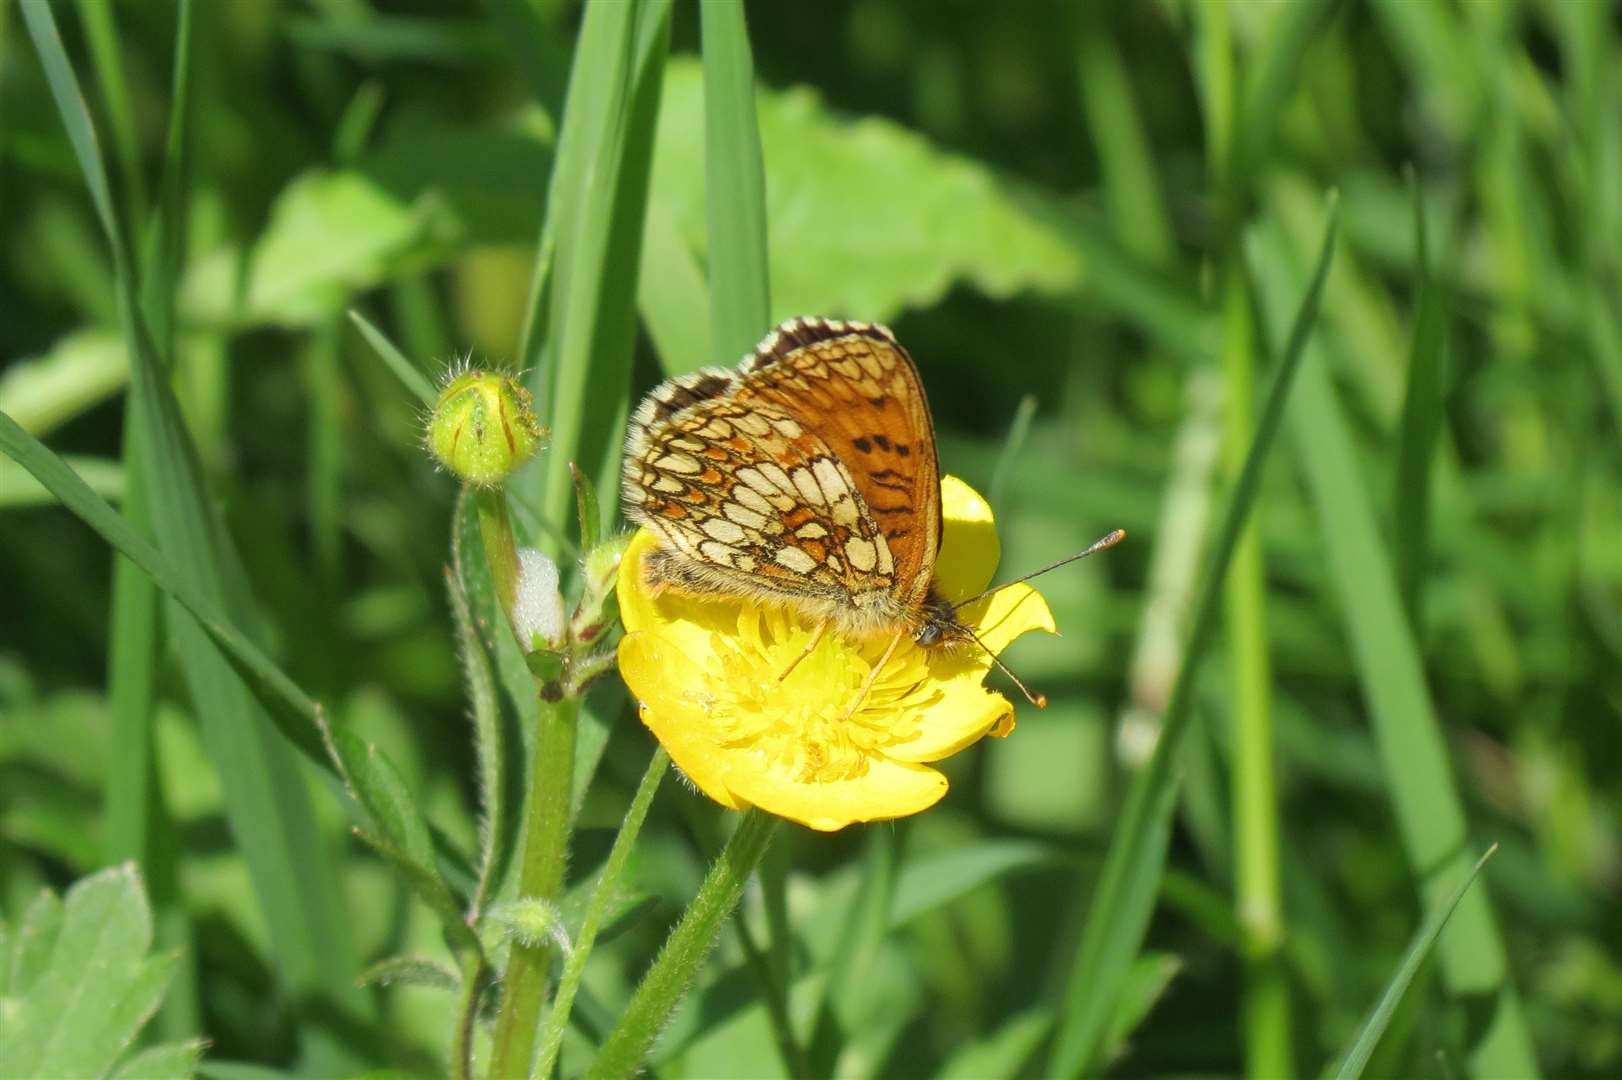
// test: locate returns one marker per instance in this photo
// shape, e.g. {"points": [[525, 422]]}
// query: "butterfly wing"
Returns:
{"points": [[751, 501], [857, 388]]}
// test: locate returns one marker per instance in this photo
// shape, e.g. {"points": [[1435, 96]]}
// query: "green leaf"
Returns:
{"points": [[933, 881], [401, 834], [487, 741], [166, 1061], [81, 370], [843, 200], [83, 979], [331, 234], [1003, 1052], [411, 971], [1356, 1057], [1124, 896]]}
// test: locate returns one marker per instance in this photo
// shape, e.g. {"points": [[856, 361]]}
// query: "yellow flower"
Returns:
{"points": [[707, 671]]}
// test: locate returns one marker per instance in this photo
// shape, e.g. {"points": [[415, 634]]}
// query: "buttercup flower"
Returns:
{"points": [[708, 675]]}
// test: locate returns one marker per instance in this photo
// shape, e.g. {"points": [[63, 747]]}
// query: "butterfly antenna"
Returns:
{"points": [[1094, 548], [1039, 700]]}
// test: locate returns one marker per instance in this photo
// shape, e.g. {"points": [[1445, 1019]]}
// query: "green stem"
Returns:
{"points": [[1266, 1011], [575, 966], [667, 980], [540, 877], [467, 1017], [500, 550]]}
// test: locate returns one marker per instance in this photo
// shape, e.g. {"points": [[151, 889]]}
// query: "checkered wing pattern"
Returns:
{"points": [[807, 475]]}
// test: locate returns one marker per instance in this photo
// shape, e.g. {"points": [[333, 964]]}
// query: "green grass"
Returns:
{"points": [[1368, 461]]}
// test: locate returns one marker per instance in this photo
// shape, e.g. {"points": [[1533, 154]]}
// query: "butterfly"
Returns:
{"points": [[808, 477]]}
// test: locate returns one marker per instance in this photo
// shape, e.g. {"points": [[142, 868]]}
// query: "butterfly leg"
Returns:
{"points": [[873, 675], [810, 647]]}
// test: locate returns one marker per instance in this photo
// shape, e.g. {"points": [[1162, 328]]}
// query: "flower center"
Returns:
{"points": [[811, 725]]}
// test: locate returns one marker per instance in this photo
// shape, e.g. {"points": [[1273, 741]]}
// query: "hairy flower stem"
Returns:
{"points": [[684, 952], [540, 876], [467, 1016], [605, 890], [500, 550]]}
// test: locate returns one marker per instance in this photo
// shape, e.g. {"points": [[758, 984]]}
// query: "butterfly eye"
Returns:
{"points": [[928, 634]]}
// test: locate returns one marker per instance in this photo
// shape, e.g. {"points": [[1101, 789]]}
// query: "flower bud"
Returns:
{"points": [[483, 427]]}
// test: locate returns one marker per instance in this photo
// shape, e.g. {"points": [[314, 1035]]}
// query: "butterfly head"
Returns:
{"points": [[939, 623]]}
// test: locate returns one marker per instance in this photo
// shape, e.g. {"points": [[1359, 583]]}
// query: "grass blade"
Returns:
{"points": [[585, 277], [1430, 814], [267, 802], [740, 315], [1125, 894], [139, 825], [293, 710], [595, 218], [1422, 418], [404, 370], [734, 185], [101, 34], [1356, 1058]]}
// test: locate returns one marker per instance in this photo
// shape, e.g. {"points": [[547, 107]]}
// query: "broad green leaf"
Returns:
{"points": [[82, 369], [844, 202], [331, 234], [84, 980]]}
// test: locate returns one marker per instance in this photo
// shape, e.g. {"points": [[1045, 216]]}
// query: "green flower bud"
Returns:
{"points": [[482, 427]]}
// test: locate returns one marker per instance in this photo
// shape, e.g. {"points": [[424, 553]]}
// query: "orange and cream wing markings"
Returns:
{"points": [[870, 407], [807, 475]]}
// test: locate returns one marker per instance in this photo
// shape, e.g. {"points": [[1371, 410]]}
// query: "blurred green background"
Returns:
{"points": [[1090, 225]]}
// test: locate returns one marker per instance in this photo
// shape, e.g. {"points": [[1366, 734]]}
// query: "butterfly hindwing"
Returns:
{"points": [[752, 501]]}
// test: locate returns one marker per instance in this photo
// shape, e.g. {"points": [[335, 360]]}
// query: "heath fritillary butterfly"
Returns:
{"points": [[807, 477]]}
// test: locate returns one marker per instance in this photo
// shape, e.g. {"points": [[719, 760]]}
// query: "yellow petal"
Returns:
{"points": [[636, 601], [969, 548], [686, 622], [669, 687], [889, 789], [1005, 615], [965, 712]]}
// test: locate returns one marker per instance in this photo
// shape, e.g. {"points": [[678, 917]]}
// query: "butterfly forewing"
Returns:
{"points": [[860, 391], [752, 497]]}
